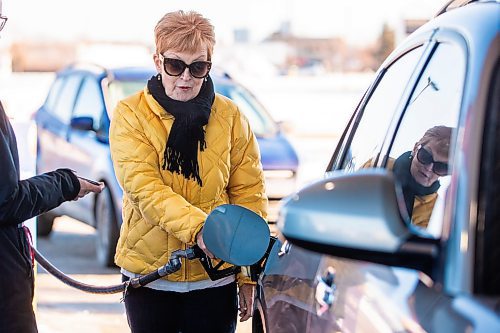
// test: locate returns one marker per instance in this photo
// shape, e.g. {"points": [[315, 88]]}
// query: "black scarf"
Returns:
{"points": [[409, 186], [187, 133]]}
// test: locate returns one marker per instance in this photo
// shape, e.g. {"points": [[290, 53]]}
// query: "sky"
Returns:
{"points": [[358, 21]]}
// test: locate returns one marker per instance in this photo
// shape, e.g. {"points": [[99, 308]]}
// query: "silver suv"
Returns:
{"points": [[403, 233]]}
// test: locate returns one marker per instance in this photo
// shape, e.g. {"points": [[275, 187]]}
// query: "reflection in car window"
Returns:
{"points": [[420, 153], [89, 102], [260, 121], [64, 105], [379, 110]]}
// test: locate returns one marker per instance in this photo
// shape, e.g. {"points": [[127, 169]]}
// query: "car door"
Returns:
{"points": [[287, 292], [53, 122], [290, 265], [90, 149], [366, 297]]}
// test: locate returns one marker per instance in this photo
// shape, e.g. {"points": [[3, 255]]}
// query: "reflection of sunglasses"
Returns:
{"points": [[426, 158], [3, 20], [175, 67]]}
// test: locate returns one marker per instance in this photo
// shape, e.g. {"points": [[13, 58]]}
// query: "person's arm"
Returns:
{"points": [[137, 169], [23, 199]]}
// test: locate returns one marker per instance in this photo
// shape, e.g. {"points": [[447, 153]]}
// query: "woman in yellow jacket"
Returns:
{"points": [[179, 150], [418, 172]]}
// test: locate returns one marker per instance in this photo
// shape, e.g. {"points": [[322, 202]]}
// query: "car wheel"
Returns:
{"points": [[107, 229], [45, 224]]}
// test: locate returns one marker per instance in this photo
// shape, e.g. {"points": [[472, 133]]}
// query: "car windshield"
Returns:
{"points": [[261, 122], [119, 90]]}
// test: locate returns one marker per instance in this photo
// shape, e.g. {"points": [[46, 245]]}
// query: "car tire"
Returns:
{"points": [[107, 229], [44, 224]]}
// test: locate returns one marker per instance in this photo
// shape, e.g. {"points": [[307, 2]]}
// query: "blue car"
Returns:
{"points": [[403, 232], [72, 132]]}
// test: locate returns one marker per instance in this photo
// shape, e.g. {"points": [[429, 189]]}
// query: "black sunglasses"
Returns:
{"points": [[426, 158], [3, 20], [175, 67]]}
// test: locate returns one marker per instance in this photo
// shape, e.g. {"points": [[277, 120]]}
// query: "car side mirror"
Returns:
{"points": [[356, 216], [82, 123]]}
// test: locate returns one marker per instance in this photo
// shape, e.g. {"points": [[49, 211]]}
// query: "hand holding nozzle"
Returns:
{"points": [[202, 246]]}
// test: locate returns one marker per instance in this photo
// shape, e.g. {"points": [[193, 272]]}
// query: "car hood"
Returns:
{"points": [[277, 153]]}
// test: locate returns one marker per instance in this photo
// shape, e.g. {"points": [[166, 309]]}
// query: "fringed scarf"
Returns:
{"points": [[187, 133]]}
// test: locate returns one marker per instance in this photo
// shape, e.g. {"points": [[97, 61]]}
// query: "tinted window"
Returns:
{"points": [[89, 102], [379, 110], [64, 105], [420, 154]]}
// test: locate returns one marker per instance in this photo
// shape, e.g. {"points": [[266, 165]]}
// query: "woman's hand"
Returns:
{"points": [[246, 301], [87, 187], [202, 246]]}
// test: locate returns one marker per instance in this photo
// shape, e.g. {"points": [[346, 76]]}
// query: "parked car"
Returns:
{"points": [[72, 132], [349, 257]]}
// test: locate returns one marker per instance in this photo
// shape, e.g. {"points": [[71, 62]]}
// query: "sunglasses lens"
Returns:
{"points": [[174, 66], [424, 156], [199, 69], [3, 20], [440, 169]]}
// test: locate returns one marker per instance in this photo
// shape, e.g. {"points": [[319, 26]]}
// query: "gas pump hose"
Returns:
{"points": [[173, 265]]}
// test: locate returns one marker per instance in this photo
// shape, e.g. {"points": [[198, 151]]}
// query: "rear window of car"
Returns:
{"points": [[54, 93]]}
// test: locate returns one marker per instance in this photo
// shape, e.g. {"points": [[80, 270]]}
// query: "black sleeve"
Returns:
{"points": [[23, 199], [34, 196]]}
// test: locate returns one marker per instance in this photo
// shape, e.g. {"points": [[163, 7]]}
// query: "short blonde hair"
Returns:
{"points": [[439, 134], [184, 32]]}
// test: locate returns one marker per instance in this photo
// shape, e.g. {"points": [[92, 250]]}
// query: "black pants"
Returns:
{"points": [[210, 310], [16, 283]]}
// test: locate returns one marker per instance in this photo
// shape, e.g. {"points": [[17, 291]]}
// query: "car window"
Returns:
{"points": [[378, 112], [89, 102], [421, 150], [64, 105], [118, 90], [54, 94]]}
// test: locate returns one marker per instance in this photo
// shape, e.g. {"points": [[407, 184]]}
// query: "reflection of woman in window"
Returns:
{"points": [[418, 172]]}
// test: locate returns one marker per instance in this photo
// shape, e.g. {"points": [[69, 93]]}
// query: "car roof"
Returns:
{"points": [[453, 4], [125, 73]]}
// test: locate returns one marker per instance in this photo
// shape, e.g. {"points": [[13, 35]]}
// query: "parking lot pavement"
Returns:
{"points": [[61, 308]]}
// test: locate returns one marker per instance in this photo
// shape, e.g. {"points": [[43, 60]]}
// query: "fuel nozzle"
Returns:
{"points": [[188, 253]]}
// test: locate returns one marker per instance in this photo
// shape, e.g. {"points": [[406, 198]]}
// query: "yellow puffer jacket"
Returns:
{"points": [[163, 211]]}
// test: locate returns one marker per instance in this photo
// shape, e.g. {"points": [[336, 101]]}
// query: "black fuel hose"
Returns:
{"points": [[173, 265]]}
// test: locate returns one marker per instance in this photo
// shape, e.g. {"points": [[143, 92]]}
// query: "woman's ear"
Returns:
{"points": [[157, 62], [415, 148]]}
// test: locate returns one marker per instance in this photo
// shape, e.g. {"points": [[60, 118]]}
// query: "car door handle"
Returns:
{"points": [[325, 291]]}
